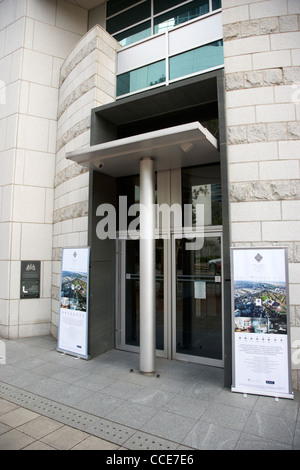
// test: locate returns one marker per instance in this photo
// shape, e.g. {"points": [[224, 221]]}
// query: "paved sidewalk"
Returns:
{"points": [[22, 429], [50, 400]]}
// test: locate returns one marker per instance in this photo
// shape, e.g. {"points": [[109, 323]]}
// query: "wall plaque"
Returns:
{"points": [[30, 279]]}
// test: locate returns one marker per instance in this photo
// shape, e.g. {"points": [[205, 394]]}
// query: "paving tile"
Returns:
{"points": [[99, 404], [38, 445], [169, 426], [186, 406], [95, 443], [250, 442], [18, 417], [208, 436], [93, 382], [296, 443], [40, 427], [153, 397], [14, 440], [132, 414], [4, 428], [282, 407], [7, 406], [236, 399], [272, 427], [226, 416], [64, 438]]}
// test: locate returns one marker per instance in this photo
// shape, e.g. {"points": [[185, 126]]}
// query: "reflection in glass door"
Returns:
{"points": [[130, 295], [197, 301], [189, 320]]}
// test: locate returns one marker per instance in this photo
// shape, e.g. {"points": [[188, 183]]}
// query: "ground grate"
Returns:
{"points": [[143, 441]]}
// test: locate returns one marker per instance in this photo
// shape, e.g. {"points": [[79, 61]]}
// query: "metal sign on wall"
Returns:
{"points": [[30, 279], [260, 318], [73, 302]]}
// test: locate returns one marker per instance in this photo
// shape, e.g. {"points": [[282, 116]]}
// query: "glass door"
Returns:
{"points": [[197, 300], [189, 300], [128, 304]]}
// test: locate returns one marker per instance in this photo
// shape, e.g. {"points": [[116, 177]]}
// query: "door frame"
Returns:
{"points": [[169, 350], [209, 232], [120, 303]]}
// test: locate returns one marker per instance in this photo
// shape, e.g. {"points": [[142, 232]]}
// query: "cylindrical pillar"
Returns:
{"points": [[147, 267]]}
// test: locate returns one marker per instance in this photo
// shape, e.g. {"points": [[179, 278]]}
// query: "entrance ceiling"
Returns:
{"points": [[88, 4], [172, 147]]}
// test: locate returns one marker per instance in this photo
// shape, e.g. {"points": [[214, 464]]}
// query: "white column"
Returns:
{"points": [[147, 267]]}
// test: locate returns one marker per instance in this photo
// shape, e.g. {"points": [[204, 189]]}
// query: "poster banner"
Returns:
{"points": [[73, 302], [260, 317]]}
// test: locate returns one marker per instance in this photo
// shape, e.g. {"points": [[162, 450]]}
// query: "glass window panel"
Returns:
{"points": [[114, 6], [162, 5], [202, 185], [202, 58], [180, 15], [141, 78], [135, 34], [216, 4], [128, 18]]}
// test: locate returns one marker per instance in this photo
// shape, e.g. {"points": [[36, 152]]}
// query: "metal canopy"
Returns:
{"points": [[173, 147]]}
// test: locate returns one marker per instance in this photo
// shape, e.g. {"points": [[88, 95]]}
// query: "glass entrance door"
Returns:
{"points": [[128, 336], [197, 300], [189, 316]]}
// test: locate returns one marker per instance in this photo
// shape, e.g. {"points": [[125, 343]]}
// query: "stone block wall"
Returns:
{"points": [[35, 38], [262, 74], [87, 80]]}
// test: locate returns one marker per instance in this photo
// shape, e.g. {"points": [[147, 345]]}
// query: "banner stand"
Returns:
{"points": [[73, 303], [261, 322]]}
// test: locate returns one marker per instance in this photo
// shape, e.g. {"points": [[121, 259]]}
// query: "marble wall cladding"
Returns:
{"points": [[262, 80], [87, 80]]}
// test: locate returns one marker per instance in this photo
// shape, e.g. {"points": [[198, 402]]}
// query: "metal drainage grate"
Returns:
{"points": [[143, 441], [110, 431], [77, 419], [30, 401]]}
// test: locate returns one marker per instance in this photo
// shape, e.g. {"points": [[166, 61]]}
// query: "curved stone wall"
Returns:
{"points": [[87, 80]]}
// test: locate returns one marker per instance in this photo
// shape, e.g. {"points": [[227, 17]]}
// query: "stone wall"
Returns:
{"points": [[35, 38], [87, 80], [262, 73]]}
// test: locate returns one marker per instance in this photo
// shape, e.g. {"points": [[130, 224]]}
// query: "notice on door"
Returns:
{"points": [[73, 312], [200, 289], [261, 352]]}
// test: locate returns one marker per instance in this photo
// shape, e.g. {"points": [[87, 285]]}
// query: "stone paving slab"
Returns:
{"points": [[50, 400]]}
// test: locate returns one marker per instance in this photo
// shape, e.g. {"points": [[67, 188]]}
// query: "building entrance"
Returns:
{"points": [[189, 313]]}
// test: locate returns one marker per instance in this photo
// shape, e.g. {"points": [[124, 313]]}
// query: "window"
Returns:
{"points": [[202, 58], [180, 15], [202, 185], [131, 20], [144, 77]]}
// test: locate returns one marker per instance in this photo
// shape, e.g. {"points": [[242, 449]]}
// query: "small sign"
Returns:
{"points": [[200, 289], [30, 279]]}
